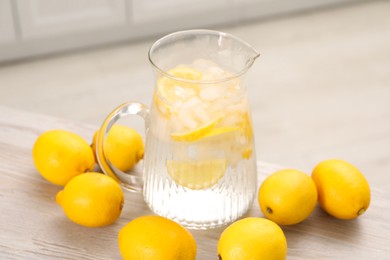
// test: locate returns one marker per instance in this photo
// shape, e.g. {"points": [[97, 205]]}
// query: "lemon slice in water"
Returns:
{"points": [[197, 175], [170, 90], [218, 131], [186, 73], [194, 134]]}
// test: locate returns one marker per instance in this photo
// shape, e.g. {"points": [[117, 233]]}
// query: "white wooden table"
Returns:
{"points": [[33, 226]]}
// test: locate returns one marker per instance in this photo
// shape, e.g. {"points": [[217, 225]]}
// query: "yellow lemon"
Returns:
{"points": [[186, 73], [233, 135], [343, 191], [91, 200], [241, 120], [287, 197], [247, 153], [156, 238], [60, 155], [252, 238], [123, 147], [172, 90], [246, 125], [222, 130], [243, 133], [195, 134], [196, 175]]}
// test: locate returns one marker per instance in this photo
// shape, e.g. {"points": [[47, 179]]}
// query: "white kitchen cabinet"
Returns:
{"points": [[7, 28], [47, 18], [179, 10], [38, 27], [253, 9]]}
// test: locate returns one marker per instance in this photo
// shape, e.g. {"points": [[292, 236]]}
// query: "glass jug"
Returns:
{"points": [[199, 167]]}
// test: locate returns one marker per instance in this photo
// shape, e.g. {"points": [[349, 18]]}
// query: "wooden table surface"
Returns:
{"points": [[33, 226]]}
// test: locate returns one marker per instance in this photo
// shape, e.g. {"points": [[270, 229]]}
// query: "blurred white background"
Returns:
{"points": [[321, 88], [34, 27]]}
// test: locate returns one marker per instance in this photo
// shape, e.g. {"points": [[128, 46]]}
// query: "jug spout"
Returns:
{"points": [[247, 51], [255, 54], [235, 54], [252, 55]]}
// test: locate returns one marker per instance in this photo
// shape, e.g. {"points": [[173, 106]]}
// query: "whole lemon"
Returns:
{"points": [[287, 197], [343, 191], [123, 147], [60, 155], [157, 238], [252, 238], [91, 200]]}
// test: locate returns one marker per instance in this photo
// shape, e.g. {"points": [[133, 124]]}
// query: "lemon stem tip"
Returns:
{"points": [[361, 211]]}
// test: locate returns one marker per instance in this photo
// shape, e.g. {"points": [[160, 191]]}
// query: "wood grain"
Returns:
{"points": [[33, 226]]}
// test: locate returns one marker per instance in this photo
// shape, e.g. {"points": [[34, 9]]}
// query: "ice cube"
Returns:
{"points": [[187, 120], [183, 93], [210, 93], [203, 64], [217, 72], [201, 115], [193, 102], [231, 118], [176, 106], [217, 106], [175, 123], [240, 105], [208, 77]]}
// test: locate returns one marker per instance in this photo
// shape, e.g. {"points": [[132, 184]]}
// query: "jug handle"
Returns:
{"points": [[132, 181]]}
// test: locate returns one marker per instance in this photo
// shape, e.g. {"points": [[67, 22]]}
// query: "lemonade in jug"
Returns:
{"points": [[199, 167]]}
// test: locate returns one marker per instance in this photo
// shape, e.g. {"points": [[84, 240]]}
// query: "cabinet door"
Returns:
{"points": [[47, 18], [180, 11], [254, 9], [7, 30]]}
